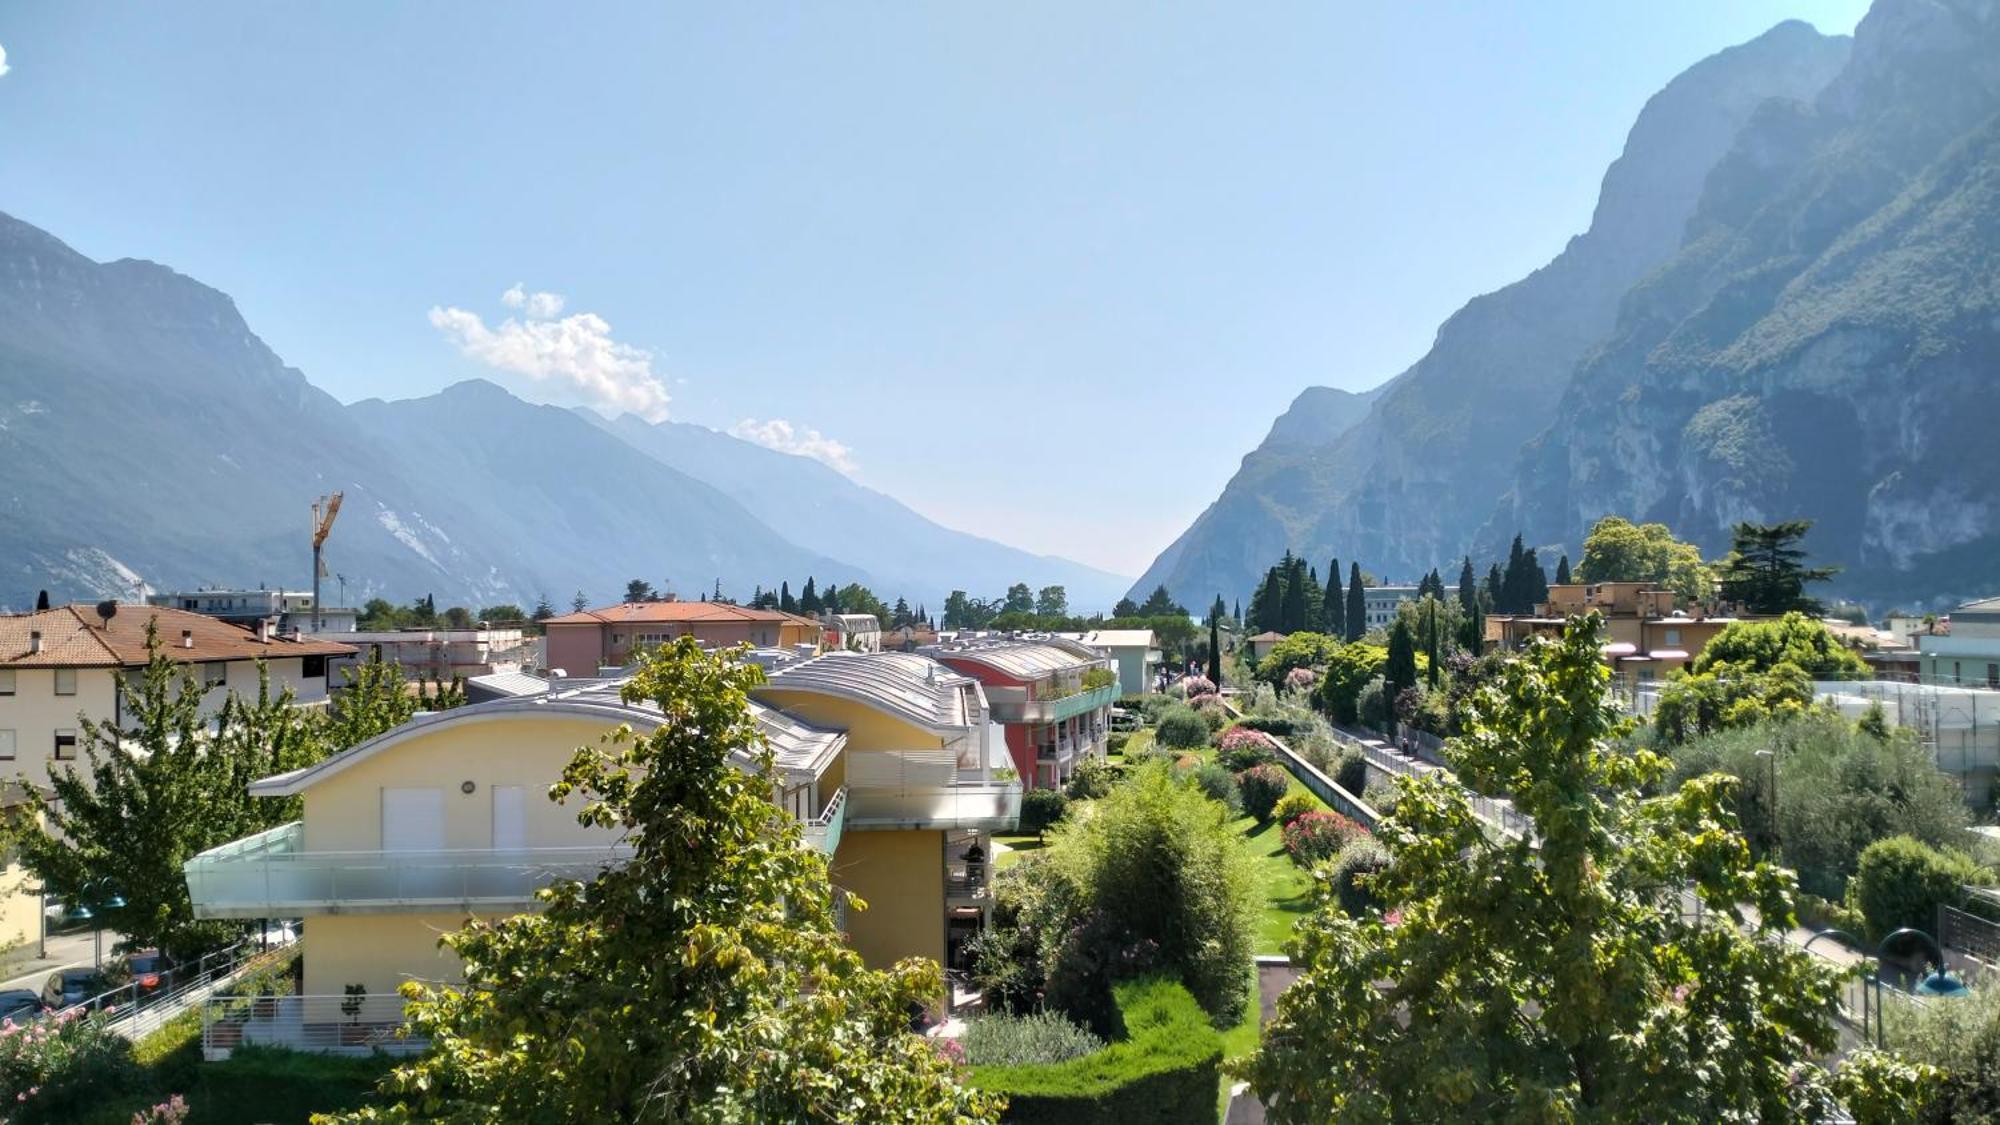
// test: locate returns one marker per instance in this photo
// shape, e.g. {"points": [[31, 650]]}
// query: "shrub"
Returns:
{"points": [[1115, 744], [1292, 804], [52, 1069], [1196, 685], [1960, 1037], [1218, 784], [1318, 836], [1298, 652], [1169, 1062], [1284, 726], [1816, 913], [1260, 788], [1362, 856], [1301, 680], [1039, 1037], [1093, 778], [1182, 729], [1380, 795], [1242, 748], [1351, 771], [1902, 880], [1042, 809]]}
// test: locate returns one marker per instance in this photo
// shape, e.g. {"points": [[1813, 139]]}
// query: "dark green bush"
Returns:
{"points": [[1901, 882], [1359, 857], [1093, 778], [1166, 1067], [1026, 1040], [1218, 784], [1181, 728], [1260, 788], [1041, 809], [1279, 725], [1351, 772]]}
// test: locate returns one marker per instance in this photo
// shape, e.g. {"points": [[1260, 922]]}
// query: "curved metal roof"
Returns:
{"points": [[911, 687], [1022, 658]]}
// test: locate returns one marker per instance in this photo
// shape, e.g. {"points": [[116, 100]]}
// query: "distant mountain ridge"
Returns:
{"points": [[1413, 483], [148, 436]]}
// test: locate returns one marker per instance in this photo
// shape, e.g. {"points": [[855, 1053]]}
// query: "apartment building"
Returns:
{"points": [[440, 654], [855, 632], [884, 759], [1132, 651], [1966, 651], [1379, 604], [1648, 634], [291, 609], [579, 644], [1051, 696], [61, 665]]}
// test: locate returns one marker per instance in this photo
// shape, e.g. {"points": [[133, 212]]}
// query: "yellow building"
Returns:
{"points": [[1648, 634], [446, 817]]}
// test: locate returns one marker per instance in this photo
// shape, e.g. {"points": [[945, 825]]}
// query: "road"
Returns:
{"points": [[63, 951]]}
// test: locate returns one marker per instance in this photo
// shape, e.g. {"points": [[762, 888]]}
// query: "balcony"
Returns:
{"points": [[1012, 705], [270, 875], [823, 831], [991, 806]]}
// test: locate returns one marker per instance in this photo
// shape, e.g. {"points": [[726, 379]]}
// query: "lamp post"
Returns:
{"points": [[91, 909]]}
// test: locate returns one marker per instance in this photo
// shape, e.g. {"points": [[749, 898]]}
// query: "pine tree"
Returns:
{"points": [[900, 615], [809, 598], [1562, 571], [785, 600], [1357, 603], [1765, 569], [1333, 603], [579, 603]]}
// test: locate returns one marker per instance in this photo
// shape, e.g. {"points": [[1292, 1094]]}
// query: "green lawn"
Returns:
{"points": [[1286, 886]]}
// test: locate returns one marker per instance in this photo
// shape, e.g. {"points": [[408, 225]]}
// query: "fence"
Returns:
{"points": [[328, 1025], [1339, 800], [1969, 934], [1495, 811], [136, 1008]]}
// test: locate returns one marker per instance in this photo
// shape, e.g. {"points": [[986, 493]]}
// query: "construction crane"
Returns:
{"points": [[324, 509]]}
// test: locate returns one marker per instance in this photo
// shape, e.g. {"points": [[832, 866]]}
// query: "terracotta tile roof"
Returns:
{"points": [[677, 612], [73, 636]]}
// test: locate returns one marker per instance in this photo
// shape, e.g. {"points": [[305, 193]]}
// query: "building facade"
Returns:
{"points": [[854, 632], [1051, 696], [441, 654], [1647, 634], [1967, 651], [1379, 604], [291, 609], [579, 644], [1132, 651]]}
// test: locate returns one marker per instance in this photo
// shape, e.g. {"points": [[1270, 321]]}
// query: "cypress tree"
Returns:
{"points": [[785, 600], [1494, 589], [1238, 615], [831, 602], [1315, 602], [1333, 604], [1400, 670], [42, 601], [1433, 642], [1514, 583], [1468, 586], [1264, 603], [1214, 654], [809, 598], [1534, 582], [1357, 603], [1292, 610], [1217, 609], [1562, 571]]}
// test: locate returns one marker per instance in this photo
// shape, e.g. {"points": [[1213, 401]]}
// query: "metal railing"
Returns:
{"points": [[824, 831], [1498, 812], [135, 1010], [332, 1025]]}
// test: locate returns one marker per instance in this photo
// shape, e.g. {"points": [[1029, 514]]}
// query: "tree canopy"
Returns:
{"points": [[703, 981], [1618, 550], [1792, 639], [1765, 569]]}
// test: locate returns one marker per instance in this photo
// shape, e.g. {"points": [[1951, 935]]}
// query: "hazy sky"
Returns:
{"points": [[1045, 271]]}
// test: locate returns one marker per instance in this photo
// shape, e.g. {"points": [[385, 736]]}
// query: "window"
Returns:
{"points": [[313, 667], [6, 681], [1993, 675], [65, 681], [1673, 636], [214, 674], [6, 745], [65, 746]]}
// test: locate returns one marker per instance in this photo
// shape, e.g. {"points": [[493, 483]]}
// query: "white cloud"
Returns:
{"points": [[3, 60], [575, 351], [805, 441]]}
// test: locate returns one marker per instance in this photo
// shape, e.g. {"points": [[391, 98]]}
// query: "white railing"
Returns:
{"points": [[824, 831], [135, 1009], [334, 1025]]}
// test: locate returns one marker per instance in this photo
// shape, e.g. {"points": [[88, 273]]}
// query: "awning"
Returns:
{"points": [[1669, 654], [1618, 648]]}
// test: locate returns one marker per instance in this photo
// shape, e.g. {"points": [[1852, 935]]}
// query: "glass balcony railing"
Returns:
{"points": [[823, 831], [270, 875], [992, 806]]}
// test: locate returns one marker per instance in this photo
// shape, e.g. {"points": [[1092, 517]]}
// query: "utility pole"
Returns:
{"points": [[323, 509]]}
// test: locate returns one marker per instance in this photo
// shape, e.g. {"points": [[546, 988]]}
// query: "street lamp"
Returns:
{"points": [[90, 909]]}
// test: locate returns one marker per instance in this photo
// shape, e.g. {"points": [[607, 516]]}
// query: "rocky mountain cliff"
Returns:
{"points": [[1405, 486], [1826, 341], [148, 436]]}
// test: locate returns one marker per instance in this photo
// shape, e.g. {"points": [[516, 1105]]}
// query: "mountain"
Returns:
{"points": [[904, 553], [1405, 487], [1825, 341], [148, 437]]}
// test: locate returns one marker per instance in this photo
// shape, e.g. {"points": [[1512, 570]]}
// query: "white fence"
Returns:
{"points": [[328, 1025], [136, 1008]]}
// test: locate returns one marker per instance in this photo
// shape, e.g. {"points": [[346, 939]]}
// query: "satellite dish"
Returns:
{"points": [[107, 609]]}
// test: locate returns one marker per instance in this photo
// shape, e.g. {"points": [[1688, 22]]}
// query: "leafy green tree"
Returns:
{"points": [[1160, 603], [856, 598], [1019, 599], [1699, 703], [1618, 550], [458, 617], [1558, 979], [1126, 607], [151, 795], [1052, 601], [1347, 672], [703, 981], [1297, 650], [1765, 569], [640, 590], [1357, 603], [503, 614], [1794, 639]]}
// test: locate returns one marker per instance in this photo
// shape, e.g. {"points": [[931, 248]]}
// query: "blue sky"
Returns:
{"points": [[1045, 271]]}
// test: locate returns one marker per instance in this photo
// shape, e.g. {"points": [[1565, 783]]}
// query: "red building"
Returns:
{"points": [[1051, 696]]}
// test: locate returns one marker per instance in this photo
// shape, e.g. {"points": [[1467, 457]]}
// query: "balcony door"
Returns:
{"points": [[510, 818], [412, 820]]}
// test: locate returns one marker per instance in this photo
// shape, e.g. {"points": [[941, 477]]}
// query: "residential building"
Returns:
{"points": [[1379, 604], [291, 609], [1959, 725], [1966, 650], [1052, 696], [579, 644], [854, 632], [441, 654], [1647, 634], [886, 759], [1132, 651], [1260, 646], [61, 665]]}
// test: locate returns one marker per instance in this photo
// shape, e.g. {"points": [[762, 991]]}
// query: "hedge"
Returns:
{"points": [[1166, 1068]]}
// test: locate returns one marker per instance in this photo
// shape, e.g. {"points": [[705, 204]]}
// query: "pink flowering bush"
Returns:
{"points": [[173, 1111], [1301, 679], [1241, 738], [1197, 685], [1204, 701], [51, 1068], [1314, 837]]}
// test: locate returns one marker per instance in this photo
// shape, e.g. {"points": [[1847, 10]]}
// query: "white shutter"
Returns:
{"points": [[412, 820], [510, 818]]}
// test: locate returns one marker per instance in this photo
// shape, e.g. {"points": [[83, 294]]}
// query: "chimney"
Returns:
{"points": [[187, 638], [35, 641], [264, 631]]}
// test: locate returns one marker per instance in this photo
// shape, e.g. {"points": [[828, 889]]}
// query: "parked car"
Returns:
{"points": [[20, 1004], [151, 973], [66, 988]]}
